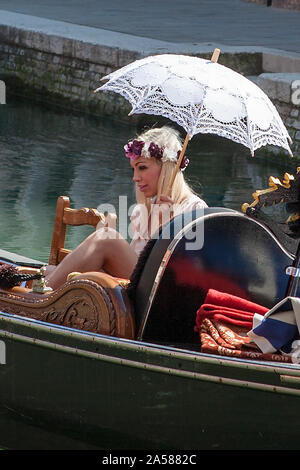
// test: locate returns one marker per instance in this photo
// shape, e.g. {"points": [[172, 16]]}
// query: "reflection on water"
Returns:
{"points": [[45, 153]]}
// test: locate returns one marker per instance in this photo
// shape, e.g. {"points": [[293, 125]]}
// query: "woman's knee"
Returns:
{"points": [[106, 234], [105, 241]]}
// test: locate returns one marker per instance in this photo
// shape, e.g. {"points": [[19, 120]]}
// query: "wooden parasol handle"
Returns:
{"points": [[186, 140], [214, 58]]}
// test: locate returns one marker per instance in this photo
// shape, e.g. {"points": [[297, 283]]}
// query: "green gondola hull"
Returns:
{"points": [[65, 388], [62, 388]]}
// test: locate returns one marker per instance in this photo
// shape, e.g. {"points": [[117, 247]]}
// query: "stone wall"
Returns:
{"points": [[58, 70], [65, 70], [288, 4], [284, 91]]}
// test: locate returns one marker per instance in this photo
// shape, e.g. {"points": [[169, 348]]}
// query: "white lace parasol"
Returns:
{"points": [[202, 96]]}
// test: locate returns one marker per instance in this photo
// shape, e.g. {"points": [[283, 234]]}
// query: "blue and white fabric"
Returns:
{"points": [[278, 329]]}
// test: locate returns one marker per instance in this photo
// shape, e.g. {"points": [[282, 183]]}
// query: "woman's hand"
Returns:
{"points": [[110, 220], [162, 212], [165, 204], [164, 199]]}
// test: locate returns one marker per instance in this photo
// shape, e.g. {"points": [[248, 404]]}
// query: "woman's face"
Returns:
{"points": [[146, 173]]}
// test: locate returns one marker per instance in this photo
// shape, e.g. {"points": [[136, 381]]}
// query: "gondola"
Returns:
{"points": [[106, 363]]}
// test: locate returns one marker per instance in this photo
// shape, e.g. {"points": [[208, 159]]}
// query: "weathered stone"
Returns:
{"points": [[66, 64], [278, 85], [280, 63]]}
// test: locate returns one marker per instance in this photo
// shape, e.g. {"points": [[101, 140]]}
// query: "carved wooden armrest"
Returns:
{"points": [[93, 302]]}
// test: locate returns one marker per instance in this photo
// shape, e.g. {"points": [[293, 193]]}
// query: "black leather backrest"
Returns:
{"points": [[240, 256], [147, 278]]}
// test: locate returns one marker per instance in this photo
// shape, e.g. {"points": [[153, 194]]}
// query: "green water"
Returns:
{"points": [[46, 152]]}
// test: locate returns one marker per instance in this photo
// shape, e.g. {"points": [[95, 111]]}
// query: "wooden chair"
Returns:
{"points": [[92, 301], [66, 216]]}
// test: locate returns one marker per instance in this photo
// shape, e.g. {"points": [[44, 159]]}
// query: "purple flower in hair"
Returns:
{"points": [[184, 162], [155, 151], [133, 149]]}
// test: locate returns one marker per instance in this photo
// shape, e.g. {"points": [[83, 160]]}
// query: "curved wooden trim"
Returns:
{"points": [[91, 302], [119, 298]]}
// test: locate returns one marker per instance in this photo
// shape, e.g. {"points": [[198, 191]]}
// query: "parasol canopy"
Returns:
{"points": [[202, 96]]}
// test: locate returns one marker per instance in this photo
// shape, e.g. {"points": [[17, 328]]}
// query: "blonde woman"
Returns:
{"points": [[152, 156]]}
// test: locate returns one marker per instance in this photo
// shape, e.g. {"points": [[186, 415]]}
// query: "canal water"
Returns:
{"points": [[46, 152]]}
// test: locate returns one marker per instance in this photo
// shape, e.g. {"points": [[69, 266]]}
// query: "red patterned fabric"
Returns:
{"points": [[223, 322], [219, 338], [219, 306]]}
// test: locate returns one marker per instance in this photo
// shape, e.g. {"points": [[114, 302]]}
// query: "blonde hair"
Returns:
{"points": [[168, 139]]}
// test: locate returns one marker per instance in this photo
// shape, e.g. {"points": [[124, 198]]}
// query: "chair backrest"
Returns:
{"points": [[65, 216]]}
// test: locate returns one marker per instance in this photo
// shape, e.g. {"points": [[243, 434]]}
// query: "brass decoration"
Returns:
{"points": [[39, 285], [285, 191], [124, 283]]}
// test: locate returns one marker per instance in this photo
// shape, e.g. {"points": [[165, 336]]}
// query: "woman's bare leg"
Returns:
{"points": [[104, 249]]}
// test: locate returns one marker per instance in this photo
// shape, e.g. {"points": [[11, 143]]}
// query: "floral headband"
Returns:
{"points": [[133, 150]]}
